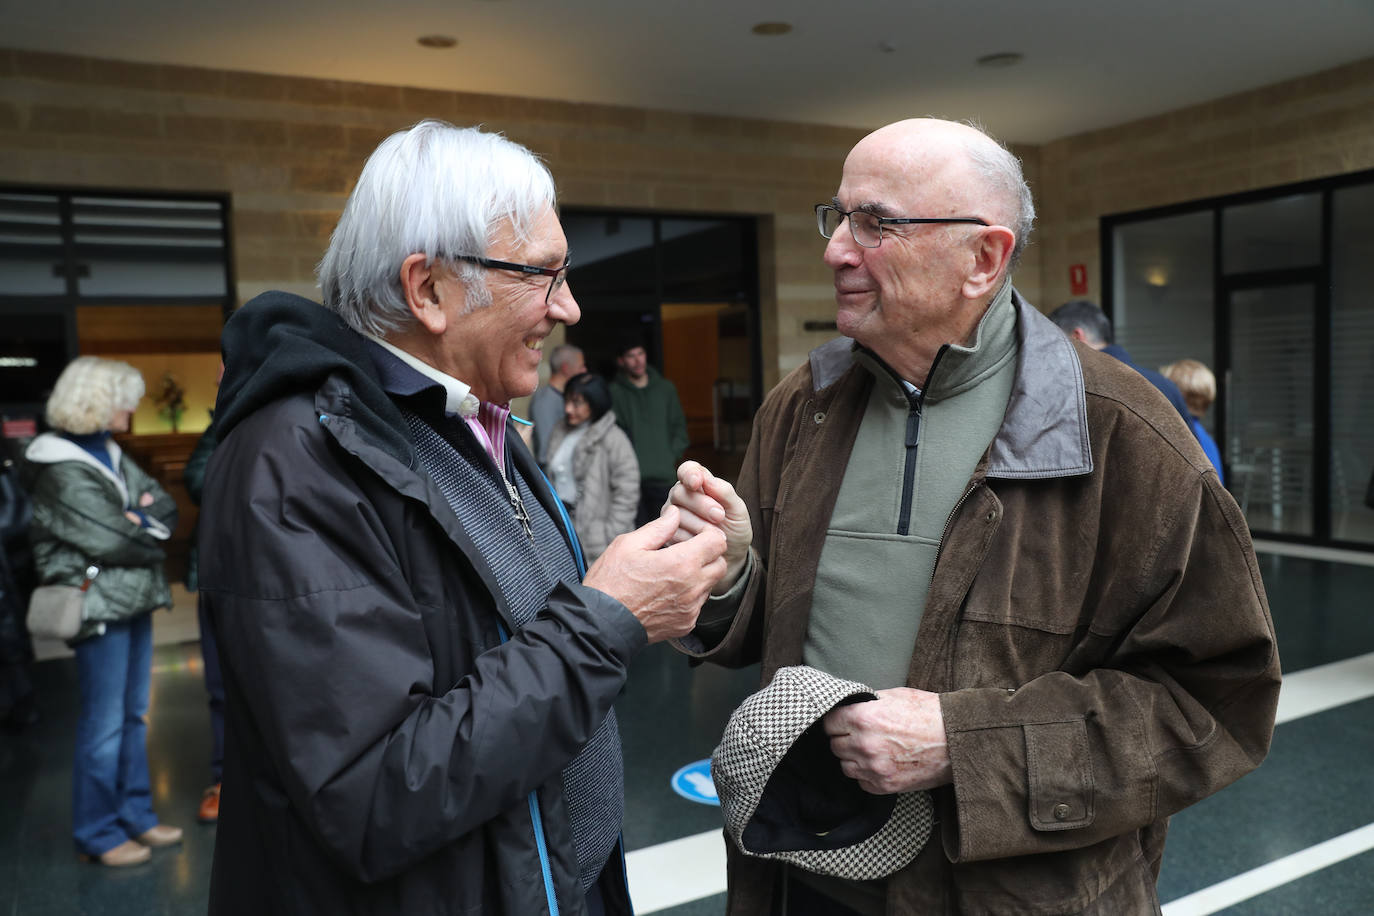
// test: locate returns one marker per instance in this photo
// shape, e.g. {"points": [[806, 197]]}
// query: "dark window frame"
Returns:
{"points": [[66, 303], [1224, 285]]}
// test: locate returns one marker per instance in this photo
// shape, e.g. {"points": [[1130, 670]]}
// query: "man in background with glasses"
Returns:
{"points": [[419, 672], [1013, 539]]}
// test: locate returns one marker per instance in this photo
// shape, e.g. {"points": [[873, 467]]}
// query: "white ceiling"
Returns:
{"points": [[1086, 64]]}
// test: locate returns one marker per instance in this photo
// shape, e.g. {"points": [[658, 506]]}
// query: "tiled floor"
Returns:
{"points": [[1317, 784]]}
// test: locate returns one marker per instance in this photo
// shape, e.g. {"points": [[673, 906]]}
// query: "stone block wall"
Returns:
{"points": [[1313, 127], [287, 150]]}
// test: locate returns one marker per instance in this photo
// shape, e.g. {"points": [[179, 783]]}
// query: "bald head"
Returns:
{"points": [[961, 167]]}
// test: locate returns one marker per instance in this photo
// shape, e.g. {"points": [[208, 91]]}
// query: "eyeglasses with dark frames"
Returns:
{"points": [[559, 274], [867, 228]]}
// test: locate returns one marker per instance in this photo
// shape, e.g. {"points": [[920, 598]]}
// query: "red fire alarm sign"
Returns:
{"points": [[1078, 279]]}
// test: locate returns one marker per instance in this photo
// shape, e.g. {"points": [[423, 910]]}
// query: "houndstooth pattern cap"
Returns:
{"points": [[757, 765]]}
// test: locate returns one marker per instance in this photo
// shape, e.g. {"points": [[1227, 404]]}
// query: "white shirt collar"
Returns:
{"points": [[458, 397]]}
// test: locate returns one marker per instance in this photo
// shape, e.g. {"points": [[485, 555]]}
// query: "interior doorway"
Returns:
{"points": [[686, 287]]}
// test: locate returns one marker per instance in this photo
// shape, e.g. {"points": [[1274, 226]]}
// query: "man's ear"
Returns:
{"points": [[990, 258], [424, 298], [1079, 335]]}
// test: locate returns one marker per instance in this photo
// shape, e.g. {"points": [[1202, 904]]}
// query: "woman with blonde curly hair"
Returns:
{"points": [[1199, 387], [99, 519]]}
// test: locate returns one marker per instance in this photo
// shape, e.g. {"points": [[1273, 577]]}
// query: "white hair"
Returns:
{"points": [[1001, 170], [563, 356], [89, 392], [432, 189]]}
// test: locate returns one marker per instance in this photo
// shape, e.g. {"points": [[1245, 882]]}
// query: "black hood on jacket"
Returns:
{"points": [[280, 344]]}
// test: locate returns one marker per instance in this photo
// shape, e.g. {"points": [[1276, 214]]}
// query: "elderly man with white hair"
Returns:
{"points": [[1011, 538], [419, 673]]}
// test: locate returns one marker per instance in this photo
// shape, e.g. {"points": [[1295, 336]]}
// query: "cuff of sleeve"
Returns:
{"points": [[718, 614], [1015, 783], [628, 636]]}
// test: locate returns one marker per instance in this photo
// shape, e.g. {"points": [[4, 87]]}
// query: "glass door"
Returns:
{"points": [[1269, 421]]}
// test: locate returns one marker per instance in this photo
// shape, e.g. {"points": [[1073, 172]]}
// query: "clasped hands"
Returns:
{"points": [[893, 744], [664, 571]]}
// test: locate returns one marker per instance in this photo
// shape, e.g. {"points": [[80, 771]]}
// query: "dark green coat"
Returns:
{"points": [[652, 417], [78, 519]]}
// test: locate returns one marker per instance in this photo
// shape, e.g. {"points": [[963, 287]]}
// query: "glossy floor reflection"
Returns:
{"points": [[1318, 782]]}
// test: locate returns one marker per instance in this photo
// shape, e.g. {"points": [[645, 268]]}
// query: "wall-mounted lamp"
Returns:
{"points": [[1157, 276]]}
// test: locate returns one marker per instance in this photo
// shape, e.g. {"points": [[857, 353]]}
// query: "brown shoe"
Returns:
{"points": [[209, 805], [161, 835], [126, 853]]}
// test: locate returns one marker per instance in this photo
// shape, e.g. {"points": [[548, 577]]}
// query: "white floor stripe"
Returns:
{"points": [[671, 874], [677, 872], [1267, 877], [1324, 687], [1312, 552]]}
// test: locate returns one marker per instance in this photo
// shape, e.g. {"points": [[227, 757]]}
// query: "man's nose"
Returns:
{"points": [[842, 250], [563, 306]]}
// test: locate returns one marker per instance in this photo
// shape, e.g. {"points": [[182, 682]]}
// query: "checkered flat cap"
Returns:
{"points": [[784, 797]]}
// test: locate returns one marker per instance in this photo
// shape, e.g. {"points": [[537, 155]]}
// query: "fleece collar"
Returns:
{"points": [[1045, 431]]}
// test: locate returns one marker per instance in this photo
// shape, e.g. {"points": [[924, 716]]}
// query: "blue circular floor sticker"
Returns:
{"points": [[693, 782]]}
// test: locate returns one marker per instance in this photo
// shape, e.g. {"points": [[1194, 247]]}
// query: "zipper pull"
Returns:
{"points": [[913, 426]]}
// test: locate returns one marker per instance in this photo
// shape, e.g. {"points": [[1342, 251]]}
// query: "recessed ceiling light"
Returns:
{"points": [[772, 28], [1004, 59], [436, 41]]}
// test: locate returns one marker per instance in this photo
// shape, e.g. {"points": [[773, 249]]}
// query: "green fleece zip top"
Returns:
{"points": [[911, 463]]}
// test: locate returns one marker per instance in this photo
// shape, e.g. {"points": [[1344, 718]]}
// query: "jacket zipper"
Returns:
{"points": [[913, 439], [944, 532], [543, 855], [537, 821]]}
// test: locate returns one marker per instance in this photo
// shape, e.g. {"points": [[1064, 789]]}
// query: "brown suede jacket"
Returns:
{"points": [[1096, 627]]}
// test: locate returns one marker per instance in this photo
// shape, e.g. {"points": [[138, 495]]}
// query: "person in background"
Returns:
{"points": [[1011, 537], [18, 705], [1199, 388], [1086, 323], [592, 465], [647, 408], [92, 506], [194, 478], [546, 405]]}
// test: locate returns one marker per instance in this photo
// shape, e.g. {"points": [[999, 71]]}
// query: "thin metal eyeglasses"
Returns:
{"points": [[867, 228], [559, 274]]}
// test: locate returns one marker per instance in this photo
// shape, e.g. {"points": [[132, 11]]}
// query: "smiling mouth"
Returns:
{"points": [[534, 343]]}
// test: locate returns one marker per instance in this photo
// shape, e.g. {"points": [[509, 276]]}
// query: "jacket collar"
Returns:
{"points": [[1045, 430], [403, 373], [50, 448]]}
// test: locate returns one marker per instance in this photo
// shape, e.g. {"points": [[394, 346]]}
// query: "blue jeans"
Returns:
{"points": [[111, 796]]}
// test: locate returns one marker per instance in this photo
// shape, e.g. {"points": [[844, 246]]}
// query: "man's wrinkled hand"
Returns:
{"points": [[893, 744], [706, 501], [663, 580]]}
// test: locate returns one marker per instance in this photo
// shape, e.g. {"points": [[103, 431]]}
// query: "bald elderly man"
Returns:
{"points": [[1011, 537]]}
